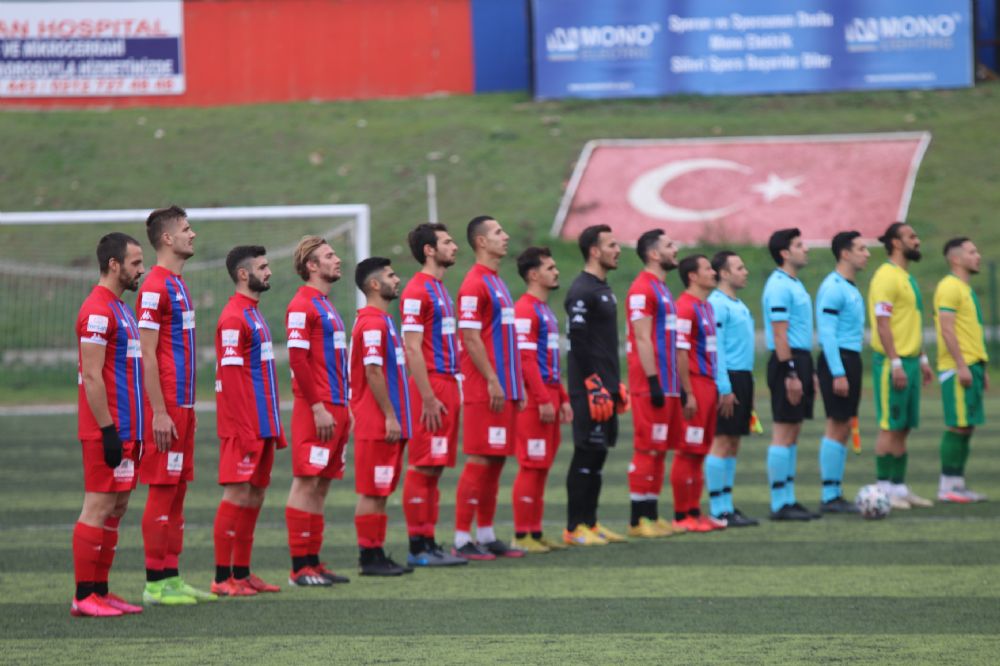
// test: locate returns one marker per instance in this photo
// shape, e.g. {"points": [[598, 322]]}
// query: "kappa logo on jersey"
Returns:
{"points": [[97, 324], [230, 337], [410, 319], [372, 351], [296, 320], [146, 316], [150, 300], [372, 338], [497, 436], [180, 298], [230, 351], [294, 335], [411, 306]]}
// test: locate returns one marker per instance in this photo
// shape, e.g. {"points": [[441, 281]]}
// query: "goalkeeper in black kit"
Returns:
{"points": [[595, 390]]}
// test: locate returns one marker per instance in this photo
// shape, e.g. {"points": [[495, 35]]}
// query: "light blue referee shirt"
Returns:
{"points": [[840, 319], [734, 337], [785, 299]]}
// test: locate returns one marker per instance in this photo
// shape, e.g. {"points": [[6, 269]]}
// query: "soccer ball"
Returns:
{"points": [[872, 502]]}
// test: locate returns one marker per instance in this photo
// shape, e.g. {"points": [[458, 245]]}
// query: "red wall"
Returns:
{"points": [[249, 51]]}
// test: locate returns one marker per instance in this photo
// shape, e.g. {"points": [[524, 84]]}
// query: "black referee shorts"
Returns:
{"points": [[837, 407], [783, 411], [739, 423], [586, 433]]}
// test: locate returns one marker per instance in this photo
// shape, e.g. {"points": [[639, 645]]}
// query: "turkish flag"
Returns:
{"points": [[740, 190]]}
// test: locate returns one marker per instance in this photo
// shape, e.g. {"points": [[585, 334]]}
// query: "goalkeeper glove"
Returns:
{"points": [[112, 446], [656, 391], [602, 407], [624, 401]]}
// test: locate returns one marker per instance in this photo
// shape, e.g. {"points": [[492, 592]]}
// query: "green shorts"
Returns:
{"points": [[963, 407], [896, 410]]}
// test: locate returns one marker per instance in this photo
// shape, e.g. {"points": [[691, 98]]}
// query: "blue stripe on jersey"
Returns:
{"points": [[336, 361], [260, 334], [666, 339], [505, 351], [705, 358], [443, 307], [126, 395], [542, 346], [184, 370], [396, 379]]}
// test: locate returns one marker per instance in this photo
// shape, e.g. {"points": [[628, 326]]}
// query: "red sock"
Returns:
{"points": [[467, 495], [155, 525], [687, 488], [523, 500], [108, 547], [416, 501], [659, 471], [87, 544], [316, 530], [175, 528], [371, 529], [432, 515], [678, 482], [299, 525], [488, 492], [697, 481], [642, 473], [246, 523], [225, 532], [540, 476]]}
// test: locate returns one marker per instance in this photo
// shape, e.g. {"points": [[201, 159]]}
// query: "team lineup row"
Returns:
{"points": [[496, 362]]}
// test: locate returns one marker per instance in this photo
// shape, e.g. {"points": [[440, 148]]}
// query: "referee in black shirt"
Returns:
{"points": [[594, 384]]}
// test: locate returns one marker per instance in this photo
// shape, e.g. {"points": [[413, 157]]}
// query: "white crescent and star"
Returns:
{"points": [[645, 194]]}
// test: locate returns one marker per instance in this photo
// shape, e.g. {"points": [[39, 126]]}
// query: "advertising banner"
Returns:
{"points": [[636, 48], [91, 49], [740, 190]]}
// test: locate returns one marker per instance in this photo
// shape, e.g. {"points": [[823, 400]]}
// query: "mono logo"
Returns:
{"points": [[873, 30], [573, 39]]}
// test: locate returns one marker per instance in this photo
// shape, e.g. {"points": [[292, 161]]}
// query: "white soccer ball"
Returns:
{"points": [[873, 502]]}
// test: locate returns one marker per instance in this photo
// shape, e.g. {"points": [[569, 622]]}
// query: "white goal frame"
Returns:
{"points": [[360, 212]]}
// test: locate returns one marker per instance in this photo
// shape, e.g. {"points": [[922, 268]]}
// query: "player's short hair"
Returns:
{"points": [[305, 252], [688, 265], [891, 233], [240, 255], [113, 246], [366, 269], [158, 221], [531, 258], [422, 235], [843, 241], [720, 260], [589, 238], [646, 242], [781, 240], [475, 228], [955, 242]]}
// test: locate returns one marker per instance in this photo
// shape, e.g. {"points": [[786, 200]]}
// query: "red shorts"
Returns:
{"points": [[436, 449], [489, 433], [377, 466], [246, 461], [536, 443], [656, 428], [176, 464], [700, 430], [311, 457], [99, 478]]}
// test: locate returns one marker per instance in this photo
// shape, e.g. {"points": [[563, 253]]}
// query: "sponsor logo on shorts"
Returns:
{"points": [[660, 432], [175, 461], [382, 475], [694, 435], [497, 436], [439, 446], [319, 456], [536, 448], [125, 471]]}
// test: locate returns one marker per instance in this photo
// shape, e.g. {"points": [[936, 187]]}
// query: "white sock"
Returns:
{"points": [[885, 486], [900, 490], [485, 534], [462, 538]]}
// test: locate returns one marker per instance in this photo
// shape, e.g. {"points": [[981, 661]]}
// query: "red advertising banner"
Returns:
{"points": [[740, 190]]}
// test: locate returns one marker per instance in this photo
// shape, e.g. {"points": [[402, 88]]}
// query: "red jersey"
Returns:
{"points": [[486, 305], [374, 342], [538, 344], [164, 304], [650, 297], [696, 334], [105, 320], [427, 308], [313, 324], [246, 386]]}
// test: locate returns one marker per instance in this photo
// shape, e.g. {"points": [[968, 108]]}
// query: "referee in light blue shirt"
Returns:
{"points": [[734, 339], [788, 330], [840, 320]]}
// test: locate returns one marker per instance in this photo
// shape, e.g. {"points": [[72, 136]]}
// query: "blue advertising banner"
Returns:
{"points": [[636, 48]]}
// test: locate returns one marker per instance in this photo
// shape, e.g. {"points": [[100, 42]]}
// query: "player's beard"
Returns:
{"points": [[912, 254], [668, 265], [445, 263], [387, 292], [129, 283], [331, 278], [257, 286]]}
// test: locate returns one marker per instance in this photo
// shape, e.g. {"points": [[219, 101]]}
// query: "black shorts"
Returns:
{"points": [[841, 408], [739, 423], [781, 410], [586, 433]]}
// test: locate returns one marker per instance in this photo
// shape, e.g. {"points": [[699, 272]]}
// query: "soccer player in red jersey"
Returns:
{"points": [[321, 422], [109, 422], [653, 382], [537, 438], [696, 363], [167, 335], [429, 327], [493, 391], [248, 421], [380, 402]]}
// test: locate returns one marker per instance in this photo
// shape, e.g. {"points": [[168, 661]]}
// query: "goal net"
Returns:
{"points": [[48, 266]]}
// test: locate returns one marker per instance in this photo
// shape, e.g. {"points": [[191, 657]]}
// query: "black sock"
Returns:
{"points": [[679, 515], [299, 563], [653, 509], [576, 484], [312, 560], [153, 575], [536, 535], [694, 513], [417, 545], [241, 572], [84, 590], [101, 588], [520, 535], [638, 511], [222, 573], [171, 573]]}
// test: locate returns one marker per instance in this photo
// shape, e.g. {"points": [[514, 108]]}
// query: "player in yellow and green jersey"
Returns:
{"points": [[961, 365], [899, 366]]}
